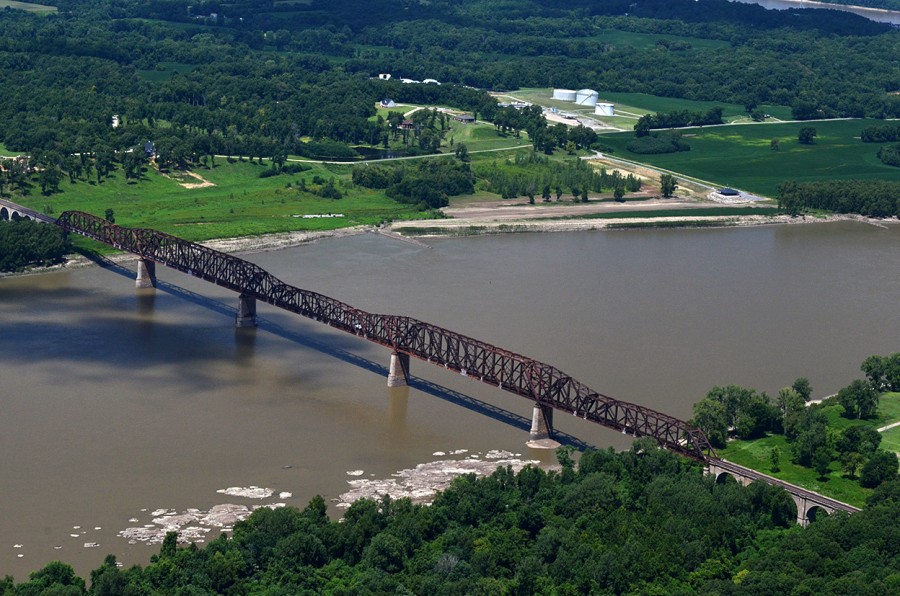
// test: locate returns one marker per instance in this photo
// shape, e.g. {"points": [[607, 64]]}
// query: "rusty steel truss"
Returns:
{"points": [[529, 378]]}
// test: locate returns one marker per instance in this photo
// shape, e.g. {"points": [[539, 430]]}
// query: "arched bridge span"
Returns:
{"points": [[546, 385]]}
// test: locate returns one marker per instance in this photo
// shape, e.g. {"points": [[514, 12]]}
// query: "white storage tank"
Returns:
{"points": [[586, 97], [564, 94], [605, 109]]}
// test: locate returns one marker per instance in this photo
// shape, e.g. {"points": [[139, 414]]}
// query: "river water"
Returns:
{"points": [[873, 14], [117, 403]]}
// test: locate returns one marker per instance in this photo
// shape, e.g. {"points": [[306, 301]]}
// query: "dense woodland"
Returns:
{"points": [[253, 78], [642, 521], [27, 243]]}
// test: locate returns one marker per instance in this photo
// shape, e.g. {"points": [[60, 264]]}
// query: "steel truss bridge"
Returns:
{"points": [[542, 383]]}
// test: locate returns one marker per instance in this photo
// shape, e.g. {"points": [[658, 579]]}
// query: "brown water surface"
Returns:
{"points": [[116, 402]]}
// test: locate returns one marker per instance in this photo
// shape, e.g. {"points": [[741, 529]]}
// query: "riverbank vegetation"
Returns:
{"points": [[27, 243], [832, 447], [641, 521], [873, 198]]}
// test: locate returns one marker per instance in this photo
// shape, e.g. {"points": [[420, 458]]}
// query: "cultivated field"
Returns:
{"points": [[27, 6], [741, 155]]}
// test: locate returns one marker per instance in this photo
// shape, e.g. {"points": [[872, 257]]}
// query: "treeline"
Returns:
{"points": [[267, 74], [890, 155], [656, 143], [533, 174], [873, 198], [641, 521], [427, 184], [887, 133], [26, 243], [743, 413], [677, 119]]}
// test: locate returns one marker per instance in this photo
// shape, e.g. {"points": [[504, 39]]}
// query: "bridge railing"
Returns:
{"points": [[523, 376]]}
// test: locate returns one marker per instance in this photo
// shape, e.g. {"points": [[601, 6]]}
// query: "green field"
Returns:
{"points": [[631, 106], [165, 71], [643, 41], [741, 156], [26, 6], [755, 454], [240, 203]]}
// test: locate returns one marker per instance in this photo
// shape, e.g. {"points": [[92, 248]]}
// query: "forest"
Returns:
{"points": [[640, 521], [875, 198], [254, 78]]}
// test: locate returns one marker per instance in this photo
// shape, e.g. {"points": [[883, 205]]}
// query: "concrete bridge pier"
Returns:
{"points": [[542, 428], [398, 376], [146, 274], [246, 314]]}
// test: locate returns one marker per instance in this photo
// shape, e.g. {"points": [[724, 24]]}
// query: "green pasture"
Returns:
{"points": [[240, 203], [630, 106], [165, 71], [756, 454], [741, 156], [26, 6], [643, 41], [890, 440]]}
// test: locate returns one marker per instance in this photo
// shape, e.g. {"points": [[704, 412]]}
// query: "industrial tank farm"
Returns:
{"points": [[564, 94], [586, 97]]}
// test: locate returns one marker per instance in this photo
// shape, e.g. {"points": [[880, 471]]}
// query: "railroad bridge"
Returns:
{"points": [[548, 387]]}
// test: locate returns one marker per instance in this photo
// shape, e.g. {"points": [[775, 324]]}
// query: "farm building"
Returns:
{"points": [[465, 118], [564, 94]]}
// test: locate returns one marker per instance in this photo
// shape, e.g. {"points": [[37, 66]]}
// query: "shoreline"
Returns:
{"points": [[411, 230]]}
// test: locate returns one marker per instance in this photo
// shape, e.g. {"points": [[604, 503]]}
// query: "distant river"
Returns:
{"points": [[873, 14], [115, 404]]}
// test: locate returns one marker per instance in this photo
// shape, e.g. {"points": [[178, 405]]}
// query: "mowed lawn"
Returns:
{"points": [[757, 454], [26, 6], [741, 155], [240, 204]]}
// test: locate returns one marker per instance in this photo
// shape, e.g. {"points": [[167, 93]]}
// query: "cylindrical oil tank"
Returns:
{"points": [[586, 97], [605, 109], [564, 94]]}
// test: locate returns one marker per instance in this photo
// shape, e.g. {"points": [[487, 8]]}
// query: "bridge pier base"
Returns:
{"points": [[541, 428], [399, 371], [146, 274], [246, 314]]}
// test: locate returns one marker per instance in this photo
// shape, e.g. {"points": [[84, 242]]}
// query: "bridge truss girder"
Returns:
{"points": [[542, 383]]}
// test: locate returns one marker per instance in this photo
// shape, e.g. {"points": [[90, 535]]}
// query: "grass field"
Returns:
{"points": [[26, 6], [643, 41], [740, 155], [755, 454], [165, 71], [631, 106], [240, 203]]}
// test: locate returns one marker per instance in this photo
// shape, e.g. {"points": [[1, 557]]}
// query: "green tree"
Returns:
{"points": [[859, 400], [881, 467], [109, 215], [775, 459], [806, 135], [667, 185], [462, 152], [775, 144], [851, 462], [711, 418]]}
